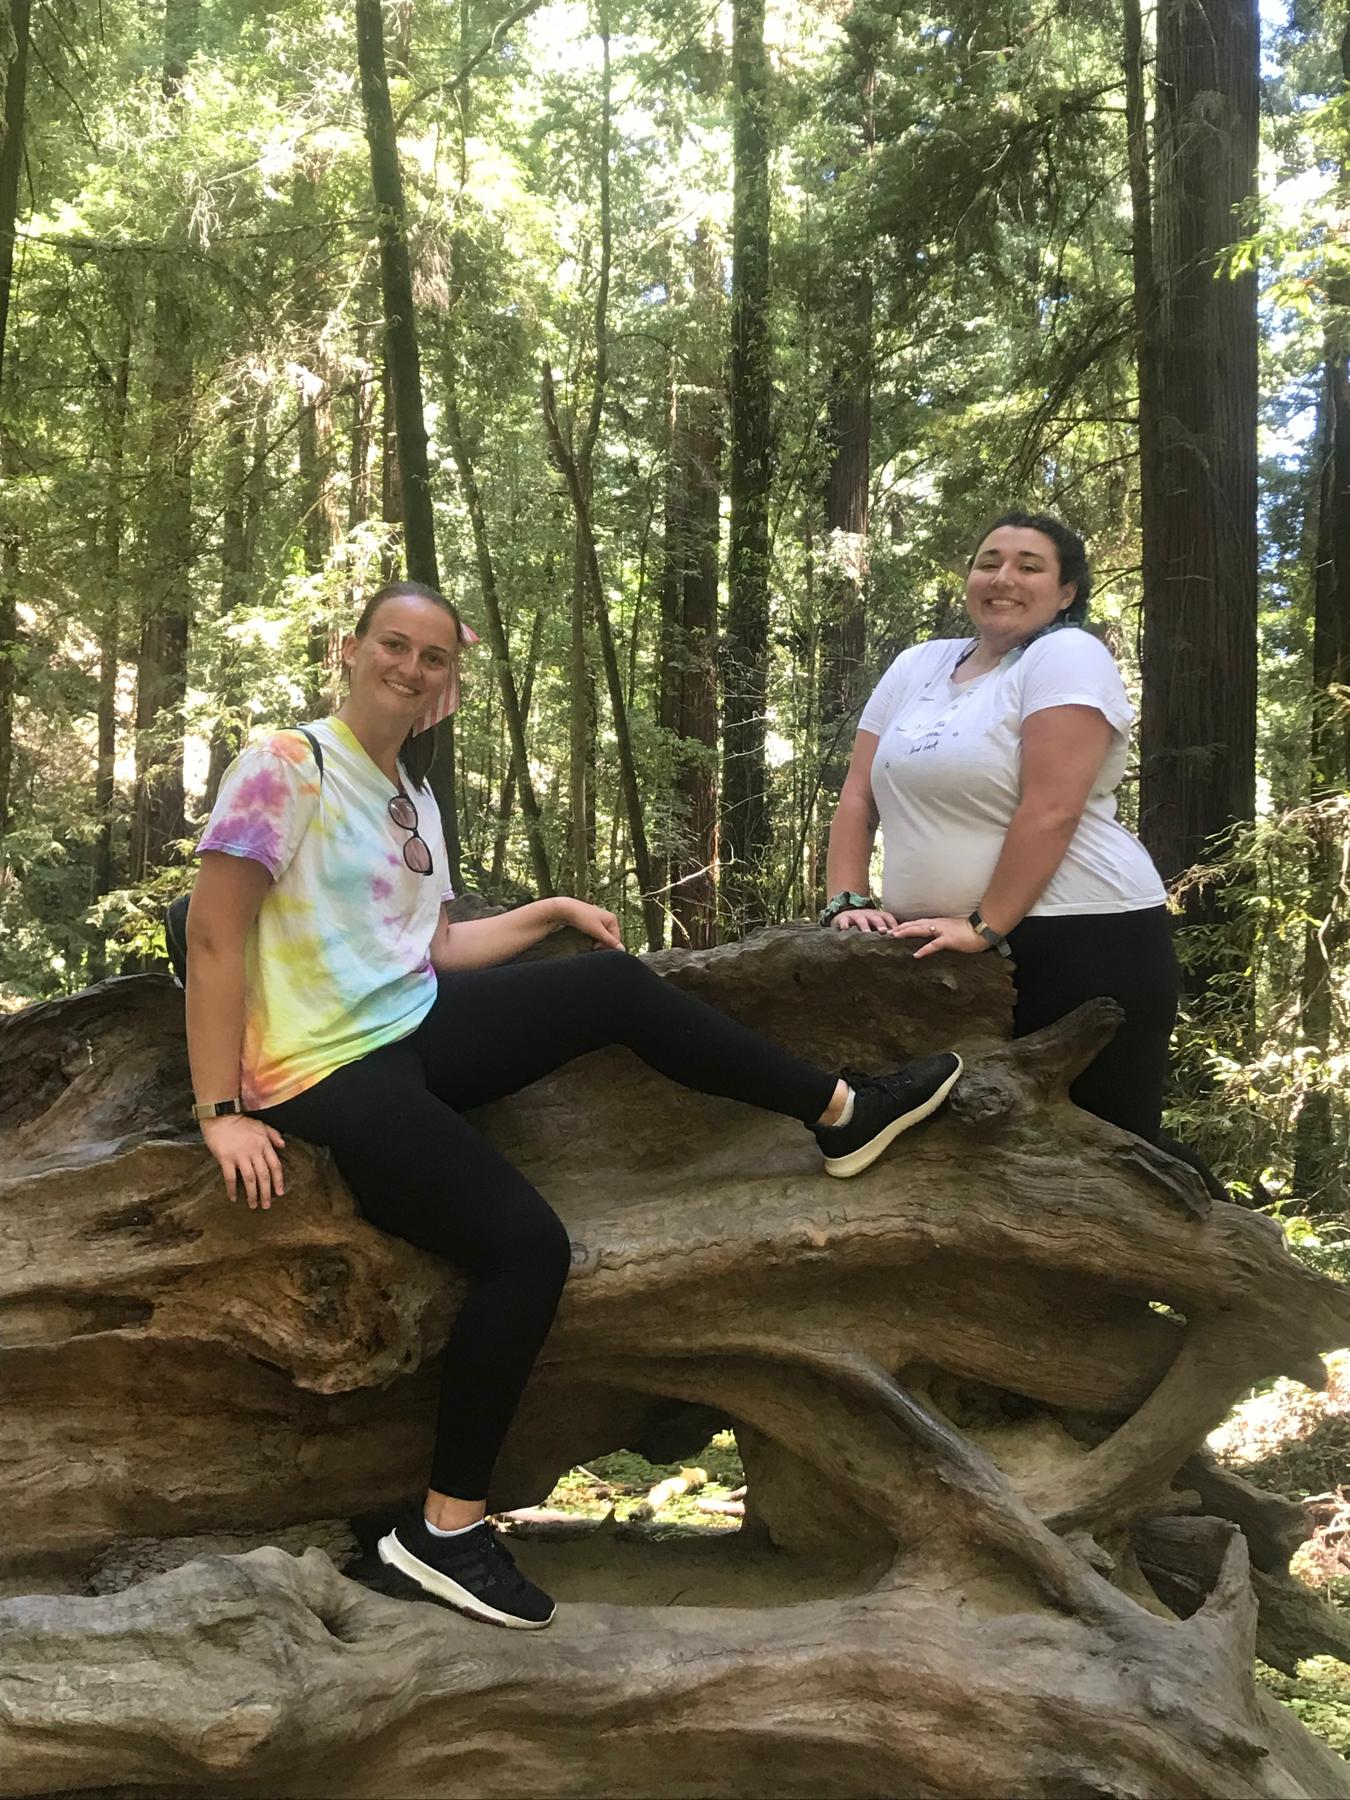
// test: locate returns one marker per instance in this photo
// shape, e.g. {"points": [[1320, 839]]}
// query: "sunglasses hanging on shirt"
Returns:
{"points": [[416, 852]]}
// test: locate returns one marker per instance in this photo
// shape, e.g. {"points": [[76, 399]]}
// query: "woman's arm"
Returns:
{"points": [[482, 943], [853, 831], [225, 901], [1063, 749]]}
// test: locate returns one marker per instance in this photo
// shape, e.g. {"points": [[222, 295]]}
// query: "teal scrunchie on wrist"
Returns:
{"points": [[845, 902]]}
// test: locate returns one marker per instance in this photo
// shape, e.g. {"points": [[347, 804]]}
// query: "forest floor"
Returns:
{"points": [[1286, 1438], [1283, 1437]]}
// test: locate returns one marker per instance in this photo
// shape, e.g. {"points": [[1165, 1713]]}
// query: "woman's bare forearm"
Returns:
{"points": [[1033, 849], [482, 943], [215, 1020], [852, 834]]}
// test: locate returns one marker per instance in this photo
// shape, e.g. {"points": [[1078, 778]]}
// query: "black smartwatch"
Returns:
{"points": [[994, 939]]}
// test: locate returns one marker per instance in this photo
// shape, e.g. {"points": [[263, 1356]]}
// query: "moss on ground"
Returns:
{"points": [[621, 1481], [1290, 1440], [1319, 1695]]}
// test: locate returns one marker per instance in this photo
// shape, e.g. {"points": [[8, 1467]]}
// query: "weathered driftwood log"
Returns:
{"points": [[968, 1388]]}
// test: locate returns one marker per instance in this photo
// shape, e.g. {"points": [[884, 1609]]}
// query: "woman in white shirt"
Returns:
{"points": [[990, 764]]}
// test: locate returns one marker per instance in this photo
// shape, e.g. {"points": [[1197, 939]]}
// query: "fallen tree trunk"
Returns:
{"points": [[967, 1388]]}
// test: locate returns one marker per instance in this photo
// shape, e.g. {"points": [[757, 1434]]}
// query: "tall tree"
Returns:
{"points": [[235, 569], [696, 454], [515, 704], [118, 383], [1318, 1169], [11, 161], [1198, 744], [159, 818], [632, 798], [402, 351], [403, 362], [11, 152], [843, 577], [745, 815]]}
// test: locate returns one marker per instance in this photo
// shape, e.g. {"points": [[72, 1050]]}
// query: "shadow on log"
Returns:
{"points": [[980, 1554]]}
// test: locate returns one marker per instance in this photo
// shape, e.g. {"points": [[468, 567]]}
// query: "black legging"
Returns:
{"points": [[1062, 961], [419, 1170]]}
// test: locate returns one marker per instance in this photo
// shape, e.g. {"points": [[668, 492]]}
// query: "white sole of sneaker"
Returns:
{"points": [[863, 1157], [432, 1581]]}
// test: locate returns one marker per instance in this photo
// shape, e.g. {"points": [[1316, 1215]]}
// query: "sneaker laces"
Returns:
{"points": [[897, 1087], [506, 1563]]}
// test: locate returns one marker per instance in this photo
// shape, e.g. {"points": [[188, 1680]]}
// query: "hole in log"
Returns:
{"points": [[1167, 1311], [689, 1509], [1181, 1558]]}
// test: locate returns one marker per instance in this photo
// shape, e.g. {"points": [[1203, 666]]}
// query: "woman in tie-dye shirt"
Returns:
{"points": [[330, 995]]}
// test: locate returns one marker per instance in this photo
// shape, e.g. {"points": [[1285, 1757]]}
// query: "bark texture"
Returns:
{"points": [[745, 645], [159, 819], [1198, 435], [970, 1439]]}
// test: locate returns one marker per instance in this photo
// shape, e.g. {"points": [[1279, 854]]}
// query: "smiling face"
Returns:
{"points": [[1014, 587], [400, 665]]}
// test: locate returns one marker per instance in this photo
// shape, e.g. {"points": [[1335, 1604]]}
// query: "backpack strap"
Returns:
{"points": [[175, 914], [314, 745]]}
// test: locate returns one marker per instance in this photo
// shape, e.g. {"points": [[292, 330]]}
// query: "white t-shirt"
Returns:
{"points": [[338, 961], [947, 778]]}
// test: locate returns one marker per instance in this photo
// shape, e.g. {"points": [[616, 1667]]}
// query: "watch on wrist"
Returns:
{"points": [[216, 1109], [994, 939], [845, 902]]}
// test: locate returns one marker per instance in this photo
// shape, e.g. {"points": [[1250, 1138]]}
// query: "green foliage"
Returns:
{"points": [[1319, 1695], [1240, 1101], [981, 192]]}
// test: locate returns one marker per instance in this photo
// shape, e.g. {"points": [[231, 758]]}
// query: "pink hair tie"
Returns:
{"points": [[449, 696]]}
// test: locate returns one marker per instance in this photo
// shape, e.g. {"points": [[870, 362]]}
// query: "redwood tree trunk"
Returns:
{"points": [[693, 899], [226, 739], [1319, 1173], [159, 818], [110, 643], [745, 818], [11, 156], [403, 364], [1198, 473], [323, 532], [508, 799], [360, 493], [514, 709], [843, 585], [11, 160], [402, 354], [632, 798]]}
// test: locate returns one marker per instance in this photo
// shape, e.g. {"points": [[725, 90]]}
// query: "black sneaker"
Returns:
{"points": [[473, 1572], [883, 1107]]}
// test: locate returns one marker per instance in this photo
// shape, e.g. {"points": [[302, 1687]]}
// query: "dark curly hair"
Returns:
{"points": [[1072, 552]]}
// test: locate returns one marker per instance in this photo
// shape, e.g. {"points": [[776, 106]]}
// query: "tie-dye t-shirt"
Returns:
{"points": [[338, 962]]}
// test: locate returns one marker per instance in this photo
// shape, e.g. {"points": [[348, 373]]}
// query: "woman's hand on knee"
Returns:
{"points": [[593, 920], [246, 1150]]}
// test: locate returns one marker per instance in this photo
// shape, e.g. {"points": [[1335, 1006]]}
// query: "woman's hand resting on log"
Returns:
{"points": [[246, 1150], [593, 920], [942, 934]]}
